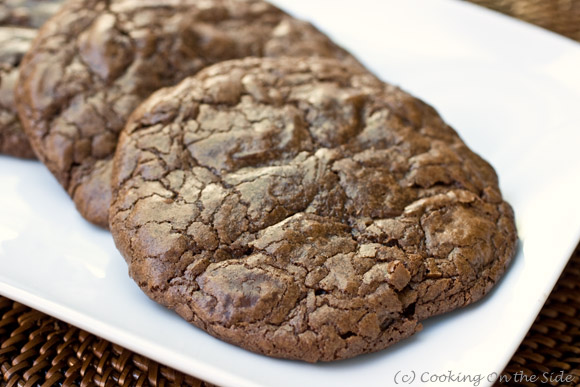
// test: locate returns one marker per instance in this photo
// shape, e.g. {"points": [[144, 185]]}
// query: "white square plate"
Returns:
{"points": [[511, 90]]}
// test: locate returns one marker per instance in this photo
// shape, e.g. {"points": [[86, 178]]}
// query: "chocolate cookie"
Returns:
{"points": [[14, 42], [95, 61], [18, 20], [301, 208]]}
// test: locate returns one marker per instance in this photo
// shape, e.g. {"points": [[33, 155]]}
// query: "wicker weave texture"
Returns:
{"points": [[552, 346], [38, 350]]}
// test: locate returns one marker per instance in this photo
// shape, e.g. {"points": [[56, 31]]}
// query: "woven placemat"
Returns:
{"points": [[550, 352], [39, 350]]}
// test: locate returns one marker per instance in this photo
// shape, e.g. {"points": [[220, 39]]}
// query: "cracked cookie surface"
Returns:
{"points": [[95, 61], [14, 42], [18, 20], [301, 208]]}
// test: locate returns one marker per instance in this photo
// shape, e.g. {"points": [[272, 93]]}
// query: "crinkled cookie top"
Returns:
{"points": [[96, 60], [301, 208], [14, 42]]}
